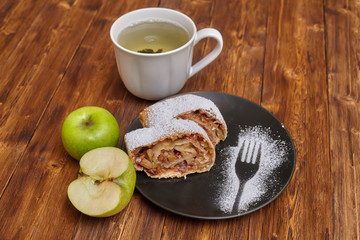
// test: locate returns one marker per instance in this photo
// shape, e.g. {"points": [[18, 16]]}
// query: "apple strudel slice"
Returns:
{"points": [[174, 149], [188, 106]]}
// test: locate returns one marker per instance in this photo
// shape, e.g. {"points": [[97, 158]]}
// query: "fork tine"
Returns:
{"points": [[245, 159], [251, 160], [257, 160], [241, 151]]}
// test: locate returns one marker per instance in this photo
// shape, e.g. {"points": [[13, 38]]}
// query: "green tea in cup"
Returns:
{"points": [[153, 37]]}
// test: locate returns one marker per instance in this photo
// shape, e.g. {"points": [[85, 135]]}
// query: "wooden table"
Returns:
{"points": [[298, 59]]}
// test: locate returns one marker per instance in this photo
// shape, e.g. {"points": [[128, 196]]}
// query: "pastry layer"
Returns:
{"points": [[174, 149], [188, 106]]}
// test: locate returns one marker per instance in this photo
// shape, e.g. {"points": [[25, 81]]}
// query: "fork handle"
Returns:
{"points": [[237, 198]]}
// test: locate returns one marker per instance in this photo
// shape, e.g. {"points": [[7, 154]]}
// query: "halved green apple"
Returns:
{"points": [[105, 183]]}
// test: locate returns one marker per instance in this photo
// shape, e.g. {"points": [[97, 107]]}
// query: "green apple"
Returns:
{"points": [[105, 183], [88, 128]]}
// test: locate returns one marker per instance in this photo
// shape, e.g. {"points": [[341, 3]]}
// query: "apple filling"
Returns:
{"points": [[212, 126], [181, 155]]}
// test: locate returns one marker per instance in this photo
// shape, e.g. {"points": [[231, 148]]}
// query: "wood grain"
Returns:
{"points": [[31, 75], [298, 59], [294, 89], [343, 50]]}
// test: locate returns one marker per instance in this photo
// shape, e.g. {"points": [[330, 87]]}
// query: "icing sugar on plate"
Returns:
{"points": [[273, 153]]}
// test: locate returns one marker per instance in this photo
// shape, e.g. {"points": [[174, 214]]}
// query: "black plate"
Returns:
{"points": [[211, 195]]}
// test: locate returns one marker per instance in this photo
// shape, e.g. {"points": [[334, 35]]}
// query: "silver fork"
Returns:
{"points": [[246, 169]]}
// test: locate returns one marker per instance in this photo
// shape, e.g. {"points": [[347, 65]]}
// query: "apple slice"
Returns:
{"points": [[105, 184]]}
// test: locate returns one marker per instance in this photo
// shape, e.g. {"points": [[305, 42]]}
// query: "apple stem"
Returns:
{"points": [[87, 122]]}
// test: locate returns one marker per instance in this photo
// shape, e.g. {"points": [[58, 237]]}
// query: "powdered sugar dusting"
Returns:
{"points": [[273, 154], [170, 108], [146, 136]]}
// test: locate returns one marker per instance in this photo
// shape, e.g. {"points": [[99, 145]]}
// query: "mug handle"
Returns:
{"points": [[201, 34]]}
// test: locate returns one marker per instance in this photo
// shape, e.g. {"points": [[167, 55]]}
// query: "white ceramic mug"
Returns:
{"points": [[155, 76]]}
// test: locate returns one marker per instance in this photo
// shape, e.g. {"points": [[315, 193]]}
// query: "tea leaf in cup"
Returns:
{"points": [[148, 50]]}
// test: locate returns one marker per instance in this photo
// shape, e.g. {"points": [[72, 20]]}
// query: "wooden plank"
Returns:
{"points": [[294, 89], [16, 18], [32, 73], [343, 51]]}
